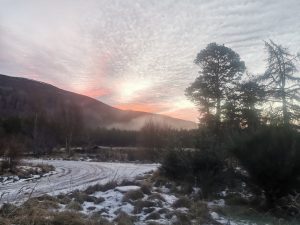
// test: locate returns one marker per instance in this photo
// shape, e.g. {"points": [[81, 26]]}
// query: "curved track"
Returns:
{"points": [[71, 175]]}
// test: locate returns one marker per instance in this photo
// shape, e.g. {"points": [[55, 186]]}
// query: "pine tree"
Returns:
{"points": [[220, 71], [282, 84]]}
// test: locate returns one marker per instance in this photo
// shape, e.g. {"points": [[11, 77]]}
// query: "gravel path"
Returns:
{"points": [[71, 175]]}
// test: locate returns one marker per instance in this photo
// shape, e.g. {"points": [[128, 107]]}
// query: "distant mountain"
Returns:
{"points": [[24, 97]]}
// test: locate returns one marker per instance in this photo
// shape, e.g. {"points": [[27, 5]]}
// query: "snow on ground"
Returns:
{"points": [[125, 189], [114, 203], [68, 176]]}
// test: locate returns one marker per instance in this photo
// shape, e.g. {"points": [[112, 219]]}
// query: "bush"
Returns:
{"points": [[73, 205], [200, 167], [11, 149], [133, 195], [176, 164], [68, 218], [272, 158], [124, 219], [182, 202]]}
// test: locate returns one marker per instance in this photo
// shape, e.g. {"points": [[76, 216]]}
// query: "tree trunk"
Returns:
{"points": [[218, 114], [284, 110], [35, 143]]}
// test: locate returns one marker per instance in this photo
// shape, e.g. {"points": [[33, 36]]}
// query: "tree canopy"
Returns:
{"points": [[220, 70]]}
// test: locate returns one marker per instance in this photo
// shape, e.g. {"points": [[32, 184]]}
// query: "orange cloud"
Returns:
{"points": [[190, 114], [152, 108]]}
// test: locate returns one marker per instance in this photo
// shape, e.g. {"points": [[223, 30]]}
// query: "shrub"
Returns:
{"points": [[146, 188], [68, 218], [73, 205], [182, 202], [11, 149], [124, 219], [157, 197], [175, 164], [200, 167], [182, 219], [7, 209], [133, 195], [200, 212], [140, 205], [272, 158]]}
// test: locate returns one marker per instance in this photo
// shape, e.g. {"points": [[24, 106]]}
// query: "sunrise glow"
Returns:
{"points": [[136, 55]]}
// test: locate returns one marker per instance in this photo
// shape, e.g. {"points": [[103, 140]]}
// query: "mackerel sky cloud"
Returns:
{"points": [[137, 54]]}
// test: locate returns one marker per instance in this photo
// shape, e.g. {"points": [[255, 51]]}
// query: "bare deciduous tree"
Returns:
{"points": [[282, 84]]}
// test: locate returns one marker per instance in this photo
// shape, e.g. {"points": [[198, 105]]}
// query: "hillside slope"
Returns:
{"points": [[24, 97]]}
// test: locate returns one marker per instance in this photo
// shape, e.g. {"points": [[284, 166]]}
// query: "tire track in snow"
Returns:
{"points": [[71, 175]]}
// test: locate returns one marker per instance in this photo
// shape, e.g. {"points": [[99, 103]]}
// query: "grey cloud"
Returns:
{"points": [[102, 44]]}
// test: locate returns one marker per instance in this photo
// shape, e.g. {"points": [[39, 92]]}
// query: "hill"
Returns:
{"points": [[24, 97]]}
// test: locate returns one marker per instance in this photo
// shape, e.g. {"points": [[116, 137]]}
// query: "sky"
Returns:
{"points": [[137, 54]]}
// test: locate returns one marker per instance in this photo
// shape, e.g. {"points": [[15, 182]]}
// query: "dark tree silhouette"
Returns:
{"points": [[220, 71], [282, 84], [71, 124], [272, 158], [251, 94]]}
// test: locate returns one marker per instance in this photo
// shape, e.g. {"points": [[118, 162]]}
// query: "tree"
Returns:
{"points": [[282, 85], [220, 71], [271, 156], [71, 124], [251, 94], [154, 135], [11, 148]]}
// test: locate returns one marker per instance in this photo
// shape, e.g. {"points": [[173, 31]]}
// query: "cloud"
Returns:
{"points": [[139, 53]]}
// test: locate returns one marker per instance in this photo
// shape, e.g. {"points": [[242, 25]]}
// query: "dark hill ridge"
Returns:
{"points": [[24, 97]]}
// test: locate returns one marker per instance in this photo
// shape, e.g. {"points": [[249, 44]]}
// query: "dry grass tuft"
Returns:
{"points": [[124, 219], [74, 205], [182, 202], [140, 205], [133, 195]]}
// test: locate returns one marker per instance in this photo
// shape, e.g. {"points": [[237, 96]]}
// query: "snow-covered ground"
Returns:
{"points": [[70, 175]]}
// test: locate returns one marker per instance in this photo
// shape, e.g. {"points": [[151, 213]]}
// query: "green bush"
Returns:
{"points": [[176, 164], [271, 156], [200, 167]]}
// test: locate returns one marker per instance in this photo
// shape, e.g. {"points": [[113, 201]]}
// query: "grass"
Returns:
{"points": [[182, 202], [146, 188], [139, 205], [133, 195], [74, 205], [157, 196], [44, 211], [124, 219], [98, 187]]}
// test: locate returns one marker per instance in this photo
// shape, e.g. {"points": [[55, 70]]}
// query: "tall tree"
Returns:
{"points": [[220, 71], [282, 84], [251, 94], [71, 124]]}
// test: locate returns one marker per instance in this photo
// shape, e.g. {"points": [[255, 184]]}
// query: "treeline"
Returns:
{"points": [[247, 121], [152, 135], [39, 134]]}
